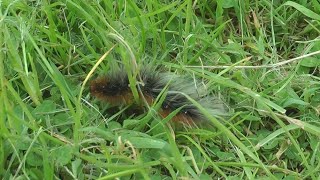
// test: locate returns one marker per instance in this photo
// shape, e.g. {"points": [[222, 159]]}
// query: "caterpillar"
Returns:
{"points": [[114, 89]]}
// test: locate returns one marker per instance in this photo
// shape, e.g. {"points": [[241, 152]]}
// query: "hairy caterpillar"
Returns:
{"points": [[114, 89]]}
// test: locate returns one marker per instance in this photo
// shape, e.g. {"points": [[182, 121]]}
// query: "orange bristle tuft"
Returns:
{"points": [[180, 117]]}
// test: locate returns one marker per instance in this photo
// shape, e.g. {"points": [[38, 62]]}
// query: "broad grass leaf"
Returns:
{"points": [[303, 10], [293, 102], [142, 142]]}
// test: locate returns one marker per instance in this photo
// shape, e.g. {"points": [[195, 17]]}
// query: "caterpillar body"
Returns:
{"points": [[114, 89]]}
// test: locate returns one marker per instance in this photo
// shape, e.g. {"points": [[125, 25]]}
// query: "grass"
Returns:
{"points": [[261, 56]]}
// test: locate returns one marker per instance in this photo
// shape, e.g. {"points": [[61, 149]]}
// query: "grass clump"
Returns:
{"points": [[261, 56]]}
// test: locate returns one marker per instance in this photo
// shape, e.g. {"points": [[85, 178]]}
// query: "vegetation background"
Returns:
{"points": [[261, 56]]}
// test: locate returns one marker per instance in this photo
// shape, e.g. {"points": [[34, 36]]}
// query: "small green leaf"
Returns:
{"points": [[34, 159], [310, 62], [225, 156], [62, 121], [76, 166], [62, 155], [44, 108], [228, 3], [249, 117], [271, 144], [104, 133]]}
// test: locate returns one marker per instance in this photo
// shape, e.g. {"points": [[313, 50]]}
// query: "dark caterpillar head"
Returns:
{"points": [[112, 88]]}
